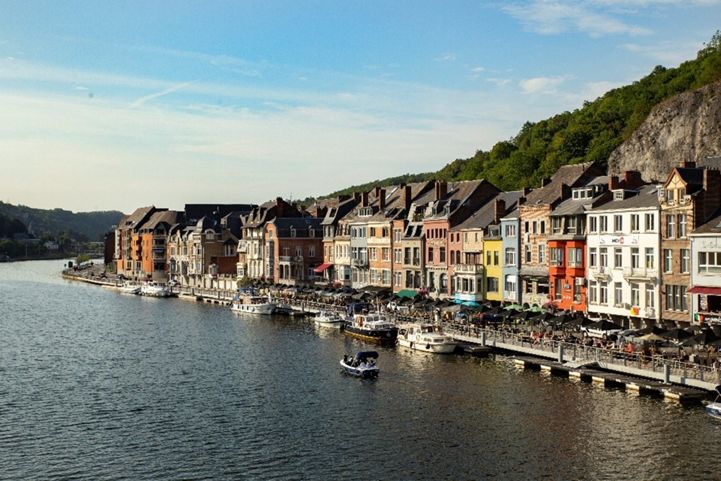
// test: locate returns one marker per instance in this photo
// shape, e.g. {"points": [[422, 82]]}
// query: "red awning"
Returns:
{"points": [[322, 267], [705, 290]]}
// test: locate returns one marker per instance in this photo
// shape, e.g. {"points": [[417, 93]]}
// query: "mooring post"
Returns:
{"points": [[560, 353], [667, 374], [483, 338]]}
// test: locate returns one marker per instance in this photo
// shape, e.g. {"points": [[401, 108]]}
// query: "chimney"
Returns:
{"points": [[357, 196], [406, 196], [545, 181], [441, 189], [364, 199], [632, 179], [279, 207], [521, 200], [711, 195], [381, 196], [343, 198], [526, 191], [564, 191], [613, 183], [499, 208], [689, 164]]}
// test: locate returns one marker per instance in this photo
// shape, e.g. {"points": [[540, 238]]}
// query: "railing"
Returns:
{"points": [[361, 262], [579, 352], [468, 269], [639, 273]]}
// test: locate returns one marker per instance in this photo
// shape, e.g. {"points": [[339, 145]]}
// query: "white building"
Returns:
{"points": [[622, 249], [706, 272]]}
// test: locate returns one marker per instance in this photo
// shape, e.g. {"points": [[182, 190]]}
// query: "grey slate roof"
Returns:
{"points": [[711, 227], [301, 226], [646, 196], [567, 174], [485, 215]]}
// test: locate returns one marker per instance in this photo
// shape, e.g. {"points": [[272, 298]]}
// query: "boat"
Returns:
{"points": [[362, 365], [329, 319], [371, 327], [153, 289], [713, 409], [129, 288], [425, 337], [252, 304]]}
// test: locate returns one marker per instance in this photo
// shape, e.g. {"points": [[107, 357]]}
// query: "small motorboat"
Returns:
{"points": [[371, 327], [328, 319], [251, 304], [129, 288], [713, 409], [153, 289], [362, 365]]}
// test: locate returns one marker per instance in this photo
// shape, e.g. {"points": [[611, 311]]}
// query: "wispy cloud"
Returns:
{"points": [[558, 16], [668, 53], [446, 57], [541, 84]]}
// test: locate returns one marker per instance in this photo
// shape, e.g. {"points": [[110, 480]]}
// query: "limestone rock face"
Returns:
{"points": [[686, 127]]}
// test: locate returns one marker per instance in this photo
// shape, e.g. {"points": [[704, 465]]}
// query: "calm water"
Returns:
{"points": [[99, 385]]}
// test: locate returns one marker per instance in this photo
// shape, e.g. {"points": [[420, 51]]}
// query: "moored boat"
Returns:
{"points": [[713, 409], [425, 337], [362, 365], [153, 289], [129, 288], [329, 319], [250, 304], [371, 327]]}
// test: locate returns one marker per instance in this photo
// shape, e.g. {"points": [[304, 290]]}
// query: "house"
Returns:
{"points": [[705, 288], [294, 246], [127, 242], [153, 236], [335, 268]]}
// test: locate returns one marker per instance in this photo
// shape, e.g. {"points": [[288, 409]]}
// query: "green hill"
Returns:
{"points": [[589, 133], [52, 222]]}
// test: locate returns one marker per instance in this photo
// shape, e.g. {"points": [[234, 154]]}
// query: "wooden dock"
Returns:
{"points": [[636, 385]]}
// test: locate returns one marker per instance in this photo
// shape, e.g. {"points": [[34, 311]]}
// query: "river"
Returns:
{"points": [[99, 385]]}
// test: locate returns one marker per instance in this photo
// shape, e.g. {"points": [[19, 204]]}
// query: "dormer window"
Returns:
{"points": [[292, 231]]}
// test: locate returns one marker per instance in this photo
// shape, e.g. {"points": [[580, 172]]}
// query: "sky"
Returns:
{"points": [[116, 105]]}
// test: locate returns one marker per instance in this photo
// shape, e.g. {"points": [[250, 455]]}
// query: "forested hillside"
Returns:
{"points": [[589, 133], [81, 226]]}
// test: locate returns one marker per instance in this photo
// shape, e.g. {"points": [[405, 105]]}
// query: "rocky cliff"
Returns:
{"points": [[684, 127]]}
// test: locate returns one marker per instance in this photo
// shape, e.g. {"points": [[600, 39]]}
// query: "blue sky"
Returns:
{"points": [[138, 103]]}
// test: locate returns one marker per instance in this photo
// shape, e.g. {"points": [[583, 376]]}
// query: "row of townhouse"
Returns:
{"points": [[610, 246]]}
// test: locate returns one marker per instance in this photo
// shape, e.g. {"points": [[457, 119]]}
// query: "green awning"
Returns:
{"points": [[410, 293]]}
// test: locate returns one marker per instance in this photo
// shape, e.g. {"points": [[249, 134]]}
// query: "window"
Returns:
{"points": [[592, 290], [685, 261], [492, 284], [682, 225], [543, 227], [592, 253], [510, 256], [430, 254], [635, 258], [676, 298], [541, 253], [603, 293], [372, 232], [604, 223], [709, 262], [575, 257], [617, 257], [397, 235], [386, 253], [556, 256], [397, 256], [397, 279], [510, 230], [311, 251], [670, 226], [556, 225], [528, 253], [617, 294], [593, 224], [488, 258], [650, 296], [650, 220], [510, 285], [667, 260], [603, 256], [618, 223], [372, 253], [635, 294], [495, 258], [635, 223], [650, 261], [557, 287], [442, 254], [299, 251]]}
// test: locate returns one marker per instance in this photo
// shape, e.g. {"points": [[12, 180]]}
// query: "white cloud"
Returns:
{"points": [[558, 16], [541, 84]]}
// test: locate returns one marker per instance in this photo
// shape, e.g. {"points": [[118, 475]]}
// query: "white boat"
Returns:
{"points": [[329, 319], [128, 288], [362, 365], [425, 337], [249, 304], [371, 327], [153, 289], [713, 409]]}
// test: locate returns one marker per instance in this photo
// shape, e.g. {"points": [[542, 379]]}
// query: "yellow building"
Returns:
{"points": [[493, 265]]}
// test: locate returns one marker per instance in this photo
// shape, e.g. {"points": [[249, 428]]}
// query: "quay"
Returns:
{"points": [[673, 380]]}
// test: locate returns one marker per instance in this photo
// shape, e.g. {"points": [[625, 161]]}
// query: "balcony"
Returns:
{"points": [[468, 269], [601, 272], [640, 273], [361, 262]]}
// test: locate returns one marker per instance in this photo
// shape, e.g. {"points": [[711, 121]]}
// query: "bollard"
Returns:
{"points": [[560, 353], [666, 374], [483, 338]]}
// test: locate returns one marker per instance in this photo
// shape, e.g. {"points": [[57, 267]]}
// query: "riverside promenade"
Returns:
{"points": [[656, 368]]}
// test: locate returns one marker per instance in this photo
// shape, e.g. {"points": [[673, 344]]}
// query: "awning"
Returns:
{"points": [[410, 293], [323, 267], [705, 290]]}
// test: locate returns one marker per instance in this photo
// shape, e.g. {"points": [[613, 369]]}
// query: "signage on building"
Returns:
{"points": [[619, 240]]}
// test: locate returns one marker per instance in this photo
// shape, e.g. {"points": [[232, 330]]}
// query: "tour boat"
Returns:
{"points": [[363, 364], [249, 304], [713, 409], [371, 327], [328, 319], [425, 337], [153, 289]]}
